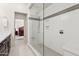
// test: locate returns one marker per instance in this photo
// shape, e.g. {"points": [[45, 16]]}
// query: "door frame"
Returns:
{"points": [[25, 26]]}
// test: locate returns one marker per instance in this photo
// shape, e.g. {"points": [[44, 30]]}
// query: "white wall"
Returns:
{"points": [[34, 31], [3, 24], [71, 31], [30, 31], [8, 10], [19, 23], [52, 38], [70, 39]]}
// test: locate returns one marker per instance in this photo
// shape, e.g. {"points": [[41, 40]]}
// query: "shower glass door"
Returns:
{"points": [[47, 23], [36, 27], [44, 30]]}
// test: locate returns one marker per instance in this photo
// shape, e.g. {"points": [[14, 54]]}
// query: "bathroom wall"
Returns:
{"points": [[52, 26], [30, 30], [19, 23], [35, 31], [4, 24], [71, 31], [35, 23], [8, 10]]}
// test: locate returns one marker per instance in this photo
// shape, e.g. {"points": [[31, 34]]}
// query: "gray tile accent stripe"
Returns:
{"points": [[63, 11], [58, 13], [32, 18]]}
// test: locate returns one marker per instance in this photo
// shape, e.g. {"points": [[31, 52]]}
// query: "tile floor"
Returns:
{"points": [[20, 49], [47, 51]]}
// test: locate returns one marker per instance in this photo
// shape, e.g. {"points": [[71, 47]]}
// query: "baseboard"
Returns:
{"points": [[34, 50]]}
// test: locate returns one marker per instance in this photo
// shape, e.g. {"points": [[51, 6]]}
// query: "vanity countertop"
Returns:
{"points": [[4, 35]]}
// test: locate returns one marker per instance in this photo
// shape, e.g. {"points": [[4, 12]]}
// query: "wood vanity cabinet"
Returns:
{"points": [[5, 46]]}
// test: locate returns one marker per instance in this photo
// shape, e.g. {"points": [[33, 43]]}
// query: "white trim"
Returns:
{"points": [[34, 50]]}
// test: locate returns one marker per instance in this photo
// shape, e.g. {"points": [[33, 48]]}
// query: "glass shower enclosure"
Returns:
{"points": [[40, 29], [36, 27]]}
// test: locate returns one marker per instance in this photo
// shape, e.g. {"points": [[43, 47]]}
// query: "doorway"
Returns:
{"points": [[20, 27], [20, 48]]}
